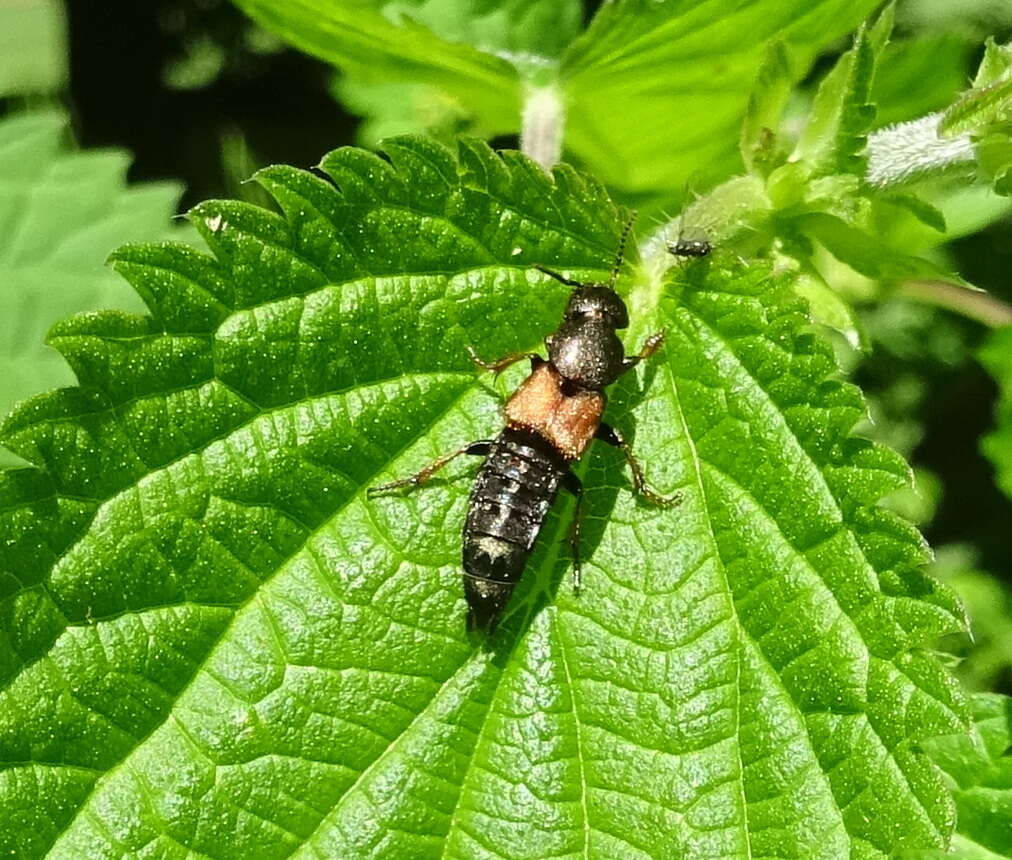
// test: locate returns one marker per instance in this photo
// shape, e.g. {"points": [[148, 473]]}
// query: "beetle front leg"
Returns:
{"points": [[650, 346], [609, 434], [501, 364]]}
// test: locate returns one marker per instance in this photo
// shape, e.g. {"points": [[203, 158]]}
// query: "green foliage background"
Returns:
{"points": [[213, 644]]}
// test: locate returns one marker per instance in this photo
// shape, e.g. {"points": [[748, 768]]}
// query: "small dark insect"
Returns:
{"points": [[682, 247], [690, 247], [550, 420]]}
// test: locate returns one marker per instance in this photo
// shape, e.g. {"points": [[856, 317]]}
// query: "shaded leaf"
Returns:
{"points": [[772, 88], [980, 769], [61, 213], [920, 76], [996, 356], [866, 253], [33, 47], [374, 48]]}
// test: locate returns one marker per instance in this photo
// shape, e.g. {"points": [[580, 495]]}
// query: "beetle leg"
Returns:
{"points": [[479, 448], [501, 364], [609, 434], [575, 486], [650, 346]]}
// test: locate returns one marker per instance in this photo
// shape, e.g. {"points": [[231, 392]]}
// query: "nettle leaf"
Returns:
{"points": [[979, 768], [835, 136], [773, 84], [989, 100], [995, 65], [214, 643], [61, 213], [524, 31], [380, 44], [996, 356], [867, 253], [918, 76], [506, 26], [679, 75], [33, 45]]}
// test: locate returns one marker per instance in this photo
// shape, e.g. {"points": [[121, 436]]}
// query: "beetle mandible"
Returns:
{"points": [[551, 419]]}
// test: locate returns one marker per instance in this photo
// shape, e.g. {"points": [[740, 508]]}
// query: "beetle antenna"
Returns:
{"points": [[621, 250]]}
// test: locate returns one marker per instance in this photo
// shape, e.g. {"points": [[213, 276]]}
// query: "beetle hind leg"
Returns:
{"points": [[479, 448], [575, 486], [609, 434]]}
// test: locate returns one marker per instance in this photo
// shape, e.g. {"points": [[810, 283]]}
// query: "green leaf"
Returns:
{"points": [[996, 64], [965, 209], [976, 108], [920, 76], [497, 26], [996, 356], [33, 47], [994, 159], [61, 213], [980, 769], [765, 105], [1003, 181], [828, 307], [928, 214], [393, 108], [865, 252], [214, 644], [842, 114], [985, 655], [376, 43], [988, 101], [679, 76], [528, 32]]}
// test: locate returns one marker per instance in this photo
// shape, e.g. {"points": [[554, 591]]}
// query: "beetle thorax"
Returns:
{"points": [[588, 354], [586, 350]]}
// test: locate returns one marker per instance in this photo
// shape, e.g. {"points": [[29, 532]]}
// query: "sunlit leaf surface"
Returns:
{"points": [[213, 644]]}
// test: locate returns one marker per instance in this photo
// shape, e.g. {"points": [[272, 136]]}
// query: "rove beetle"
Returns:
{"points": [[551, 419]]}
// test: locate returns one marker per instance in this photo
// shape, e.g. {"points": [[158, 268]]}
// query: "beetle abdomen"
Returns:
{"points": [[512, 494]]}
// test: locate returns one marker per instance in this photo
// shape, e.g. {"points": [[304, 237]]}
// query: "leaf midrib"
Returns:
{"points": [[730, 610]]}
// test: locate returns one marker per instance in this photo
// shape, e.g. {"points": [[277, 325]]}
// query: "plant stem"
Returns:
{"points": [[974, 304], [542, 125], [913, 150]]}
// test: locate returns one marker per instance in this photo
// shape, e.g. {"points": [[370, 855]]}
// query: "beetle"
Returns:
{"points": [[551, 419]]}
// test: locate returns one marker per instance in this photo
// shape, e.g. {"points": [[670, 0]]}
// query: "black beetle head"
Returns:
{"points": [[598, 303]]}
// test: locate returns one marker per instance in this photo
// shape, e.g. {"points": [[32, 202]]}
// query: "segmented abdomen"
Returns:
{"points": [[512, 493]]}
